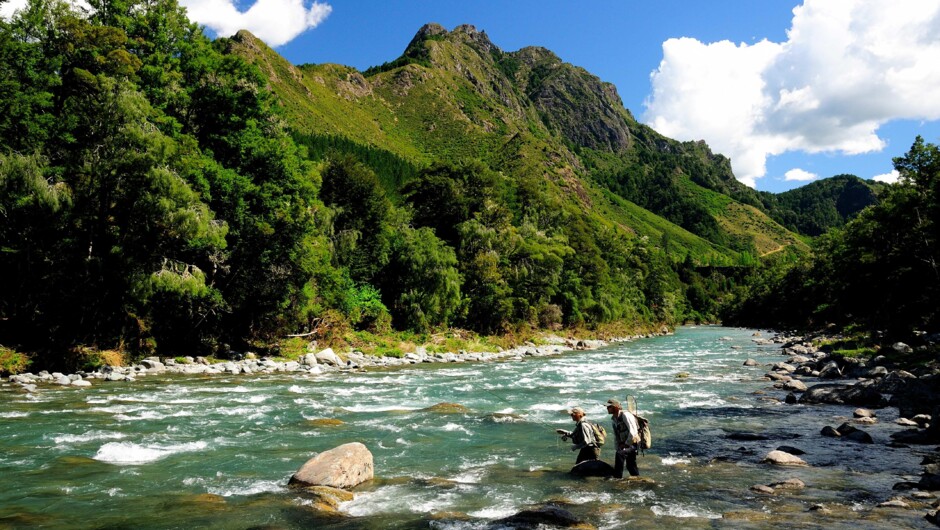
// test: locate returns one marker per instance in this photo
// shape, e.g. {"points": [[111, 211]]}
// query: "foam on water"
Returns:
{"points": [[380, 408], [683, 511], [499, 511], [675, 460], [397, 499], [86, 437], [152, 415], [14, 414], [244, 488], [451, 427], [131, 453], [296, 389], [226, 390]]}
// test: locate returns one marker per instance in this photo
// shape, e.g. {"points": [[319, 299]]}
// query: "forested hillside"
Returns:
{"points": [[877, 276], [818, 206], [163, 192]]}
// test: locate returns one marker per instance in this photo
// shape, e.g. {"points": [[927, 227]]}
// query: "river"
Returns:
{"points": [[217, 451]]}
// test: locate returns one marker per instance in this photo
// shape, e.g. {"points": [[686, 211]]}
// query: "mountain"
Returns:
{"points": [[454, 95], [818, 206]]}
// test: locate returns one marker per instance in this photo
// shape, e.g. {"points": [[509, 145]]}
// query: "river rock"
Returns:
{"points": [[788, 484], [792, 450], [830, 370], [858, 395], [863, 413], [933, 517], [830, 432], [593, 468], [922, 419], [342, 467], [751, 362], [746, 436], [327, 356], [81, 383], [791, 399], [153, 365], [760, 488], [795, 385], [779, 458], [929, 481], [447, 408], [544, 516], [894, 503], [327, 499], [854, 434], [904, 422], [900, 347], [309, 359]]}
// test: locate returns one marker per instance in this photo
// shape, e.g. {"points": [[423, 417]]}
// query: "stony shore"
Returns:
{"points": [[313, 363], [868, 384]]}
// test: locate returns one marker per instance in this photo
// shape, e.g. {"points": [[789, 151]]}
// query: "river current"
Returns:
{"points": [[217, 451]]}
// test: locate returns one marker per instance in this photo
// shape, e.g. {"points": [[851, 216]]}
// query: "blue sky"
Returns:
{"points": [[833, 87]]}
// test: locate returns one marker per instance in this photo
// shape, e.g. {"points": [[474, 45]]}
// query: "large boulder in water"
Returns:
{"points": [[593, 468], [859, 395], [542, 517], [342, 467]]}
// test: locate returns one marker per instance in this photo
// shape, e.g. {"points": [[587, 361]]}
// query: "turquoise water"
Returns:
{"points": [[217, 451]]}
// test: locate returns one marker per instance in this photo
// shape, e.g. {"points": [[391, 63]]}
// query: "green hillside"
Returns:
{"points": [[456, 96], [818, 206]]}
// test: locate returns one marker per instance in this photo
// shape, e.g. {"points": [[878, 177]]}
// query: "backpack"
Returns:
{"points": [[646, 437], [600, 435]]}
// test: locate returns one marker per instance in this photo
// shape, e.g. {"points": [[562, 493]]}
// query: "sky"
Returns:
{"points": [[790, 91]]}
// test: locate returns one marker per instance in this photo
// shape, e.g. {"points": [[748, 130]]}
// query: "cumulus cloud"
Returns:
{"points": [[890, 178], [276, 22], [799, 175], [846, 68]]}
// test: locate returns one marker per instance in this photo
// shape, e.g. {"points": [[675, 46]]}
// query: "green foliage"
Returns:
{"points": [[361, 228], [12, 361], [421, 281], [879, 273], [365, 310]]}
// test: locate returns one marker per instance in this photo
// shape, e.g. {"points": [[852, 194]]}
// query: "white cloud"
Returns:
{"points": [[8, 8], [846, 68], [890, 178], [800, 175], [276, 22]]}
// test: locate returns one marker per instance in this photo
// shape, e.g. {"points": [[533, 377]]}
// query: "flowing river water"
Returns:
{"points": [[217, 451]]}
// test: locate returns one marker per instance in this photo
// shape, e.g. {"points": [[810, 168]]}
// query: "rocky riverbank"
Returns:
{"points": [[312, 363], [812, 376]]}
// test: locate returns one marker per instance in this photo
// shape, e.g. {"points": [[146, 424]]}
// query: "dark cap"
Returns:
{"points": [[613, 403]]}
